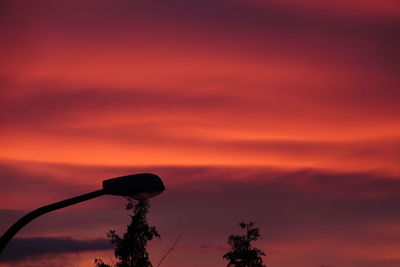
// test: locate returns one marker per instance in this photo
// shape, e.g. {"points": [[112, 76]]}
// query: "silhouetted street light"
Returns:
{"points": [[138, 186]]}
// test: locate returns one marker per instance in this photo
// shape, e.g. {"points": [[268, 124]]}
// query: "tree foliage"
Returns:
{"points": [[242, 253], [130, 249]]}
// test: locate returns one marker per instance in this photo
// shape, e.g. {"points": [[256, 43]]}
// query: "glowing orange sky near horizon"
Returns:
{"points": [[181, 101], [232, 84]]}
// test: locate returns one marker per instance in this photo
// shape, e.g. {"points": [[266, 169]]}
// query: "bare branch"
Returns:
{"points": [[169, 250]]}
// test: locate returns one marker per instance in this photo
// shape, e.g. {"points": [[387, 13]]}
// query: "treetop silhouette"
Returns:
{"points": [[130, 249], [242, 253]]}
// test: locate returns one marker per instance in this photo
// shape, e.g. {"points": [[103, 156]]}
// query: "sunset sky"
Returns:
{"points": [[281, 112]]}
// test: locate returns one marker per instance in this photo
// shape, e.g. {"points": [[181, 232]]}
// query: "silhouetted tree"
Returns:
{"points": [[130, 249], [242, 253]]}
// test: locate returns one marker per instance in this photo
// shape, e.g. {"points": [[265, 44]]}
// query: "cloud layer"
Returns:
{"points": [[281, 112], [22, 249]]}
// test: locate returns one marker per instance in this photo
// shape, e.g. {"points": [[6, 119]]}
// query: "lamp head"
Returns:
{"points": [[138, 186]]}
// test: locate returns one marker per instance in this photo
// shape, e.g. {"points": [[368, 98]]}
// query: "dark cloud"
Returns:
{"points": [[33, 185], [303, 204], [277, 199], [213, 14], [382, 148], [35, 247], [20, 176], [257, 27], [384, 262], [68, 104], [54, 108]]}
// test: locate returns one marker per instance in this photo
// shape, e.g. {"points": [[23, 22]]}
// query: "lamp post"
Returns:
{"points": [[138, 186]]}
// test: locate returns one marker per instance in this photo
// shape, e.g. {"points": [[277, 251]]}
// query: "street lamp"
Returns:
{"points": [[138, 186]]}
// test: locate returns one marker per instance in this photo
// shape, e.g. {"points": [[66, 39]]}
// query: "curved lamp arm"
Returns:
{"points": [[7, 236]]}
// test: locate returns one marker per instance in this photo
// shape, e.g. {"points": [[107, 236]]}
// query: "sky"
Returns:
{"points": [[285, 113]]}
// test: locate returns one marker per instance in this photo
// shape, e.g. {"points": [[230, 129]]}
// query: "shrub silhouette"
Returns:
{"points": [[242, 253], [130, 249]]}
